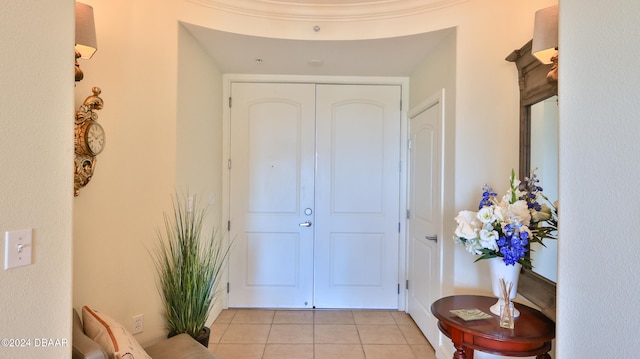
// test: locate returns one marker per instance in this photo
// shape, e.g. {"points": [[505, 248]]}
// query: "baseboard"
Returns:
{"points": [[444, 351]]}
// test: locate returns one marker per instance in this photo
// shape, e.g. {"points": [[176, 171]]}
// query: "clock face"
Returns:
{"points": [[94, 137]]}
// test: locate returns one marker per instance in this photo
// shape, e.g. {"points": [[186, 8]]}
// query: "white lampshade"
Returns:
{"points": [[545, 34], [86, 42]]}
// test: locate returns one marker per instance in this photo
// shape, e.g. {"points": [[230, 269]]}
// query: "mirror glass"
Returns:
{"points": [[544, 157]]}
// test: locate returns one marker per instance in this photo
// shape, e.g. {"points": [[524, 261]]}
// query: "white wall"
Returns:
{"points": [[437, 72], [598, 253], [163, 122], [199, 134], [487, 112], [117, 213], [199, 124], [36, 181]]}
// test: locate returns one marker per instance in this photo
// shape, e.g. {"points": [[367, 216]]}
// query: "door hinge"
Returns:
{"points": [[409, 143], [398, 288], [400, 105], [229, 163], [227, 287], [229, 101], [408, 214], [228, 226], [398, 227], [407, 285]]}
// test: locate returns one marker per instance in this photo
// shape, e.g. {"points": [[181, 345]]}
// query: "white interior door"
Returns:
{"points": [[345, 254], [357, 196], [425, 214], [271, 186]]}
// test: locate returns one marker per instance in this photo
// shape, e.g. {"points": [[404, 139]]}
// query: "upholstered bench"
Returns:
{"points": [[98, 336]]}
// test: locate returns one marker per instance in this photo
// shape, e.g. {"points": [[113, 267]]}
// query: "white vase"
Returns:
{"points": [[510, 274]]}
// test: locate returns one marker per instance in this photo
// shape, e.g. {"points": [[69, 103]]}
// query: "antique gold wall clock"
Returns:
{"points": [[89, 139]]}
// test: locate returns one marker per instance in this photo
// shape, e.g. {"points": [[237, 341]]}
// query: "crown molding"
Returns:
{"points": [[309, 11]]}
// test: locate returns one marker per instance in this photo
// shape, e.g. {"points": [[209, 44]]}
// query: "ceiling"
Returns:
{"points": [[384, 56], [243, 54]]}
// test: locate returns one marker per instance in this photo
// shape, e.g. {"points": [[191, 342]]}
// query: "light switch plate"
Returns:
{"points": [[17, 250]]}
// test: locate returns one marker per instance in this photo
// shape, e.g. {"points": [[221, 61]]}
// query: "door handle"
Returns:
{"points": [[305, 224], [432, 238]]}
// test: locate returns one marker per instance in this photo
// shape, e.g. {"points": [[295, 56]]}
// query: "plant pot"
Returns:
{"points": [[202, 339], [510, 274]]}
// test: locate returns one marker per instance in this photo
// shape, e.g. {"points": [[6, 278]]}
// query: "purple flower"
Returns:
{"points": [[530, 188], [513, 242], [487, 196]]}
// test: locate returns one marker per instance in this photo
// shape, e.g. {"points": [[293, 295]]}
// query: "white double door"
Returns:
{"points": [[314, 195]]}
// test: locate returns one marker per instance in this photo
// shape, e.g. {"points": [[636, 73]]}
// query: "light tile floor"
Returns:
{"points": [[317, 334]]}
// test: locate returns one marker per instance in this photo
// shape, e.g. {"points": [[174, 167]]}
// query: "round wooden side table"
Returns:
{"points": [[532, 333]]}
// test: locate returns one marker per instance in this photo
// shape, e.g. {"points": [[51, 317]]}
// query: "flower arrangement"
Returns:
{"points": [[505, 228]]}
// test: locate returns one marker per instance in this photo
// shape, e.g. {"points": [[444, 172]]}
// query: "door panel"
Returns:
{"points": [[271, 184], [273, 158], [357, 196], [357, 158], [425, 216]]}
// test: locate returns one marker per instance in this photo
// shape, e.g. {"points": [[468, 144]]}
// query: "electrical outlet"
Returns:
{"points": [[138, 324]]}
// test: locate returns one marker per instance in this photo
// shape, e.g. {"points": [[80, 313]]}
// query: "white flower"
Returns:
{"points": [[468, 226], [542, 215], [488, 238], [515, 188], [518, 210], [473, 246], [485, 215], [500, 212], [459, 240], [515, 183]]}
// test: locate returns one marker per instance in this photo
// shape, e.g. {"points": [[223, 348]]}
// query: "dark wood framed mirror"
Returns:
{"points": [[534, 90]]}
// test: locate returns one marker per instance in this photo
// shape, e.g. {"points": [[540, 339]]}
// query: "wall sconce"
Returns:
{"points": [[86, 44], [544, 45], [89, 136]]}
